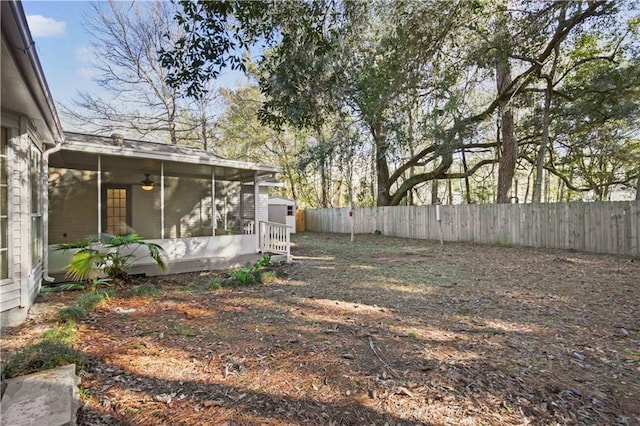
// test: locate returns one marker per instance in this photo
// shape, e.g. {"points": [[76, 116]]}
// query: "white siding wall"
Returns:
{"points": [[20, 290]]}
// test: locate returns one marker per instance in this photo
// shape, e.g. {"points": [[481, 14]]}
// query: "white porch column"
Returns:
{"points": [[213, 201], [99, 180], [162, 200], [256, 210]]}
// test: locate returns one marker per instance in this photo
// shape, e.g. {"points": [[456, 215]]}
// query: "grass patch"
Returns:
{"points": [[144, 290], [64, 334], [183, 330], [44, 355], [63, 287], [215, 284], [267, 277], [72, 313], [90, 301]]}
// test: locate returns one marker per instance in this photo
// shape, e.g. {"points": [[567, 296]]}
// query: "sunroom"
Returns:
{"points": [[200, 208]]}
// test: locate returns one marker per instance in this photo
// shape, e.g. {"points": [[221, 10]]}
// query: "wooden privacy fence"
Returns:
{"points": [[602, 227]]}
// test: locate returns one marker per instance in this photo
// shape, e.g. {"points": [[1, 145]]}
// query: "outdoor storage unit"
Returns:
{"points": [[283, 210]]}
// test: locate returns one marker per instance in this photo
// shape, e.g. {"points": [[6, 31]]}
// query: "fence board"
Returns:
{"points": [[602, 227]]}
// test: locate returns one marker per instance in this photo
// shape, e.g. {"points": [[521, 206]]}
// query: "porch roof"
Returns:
{"points": [[80, 150]]}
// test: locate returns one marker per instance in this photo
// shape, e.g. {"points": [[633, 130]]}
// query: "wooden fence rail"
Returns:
{"points": [[601, 227]]}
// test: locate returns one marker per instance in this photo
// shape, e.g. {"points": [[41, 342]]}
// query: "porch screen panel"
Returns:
{"points": [[72, 204], [248, 209], [188, 207], [228, 207], [4, 210]]}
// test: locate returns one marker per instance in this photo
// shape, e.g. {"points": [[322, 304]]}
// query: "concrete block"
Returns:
{"points": [[46, 398]]}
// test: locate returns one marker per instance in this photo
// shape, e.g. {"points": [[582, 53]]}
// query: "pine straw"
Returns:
{"points": [[382, 331]]}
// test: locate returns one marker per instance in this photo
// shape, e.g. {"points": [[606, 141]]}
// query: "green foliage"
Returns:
{"points": [[72, 313], [109, 254], [44, 355], [250, 274], [144, 290], [243, 275]]}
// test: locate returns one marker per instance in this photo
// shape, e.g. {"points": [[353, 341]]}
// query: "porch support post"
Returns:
{"points": [[99, 196], [256, 214], [162, 200], [213, 201]]}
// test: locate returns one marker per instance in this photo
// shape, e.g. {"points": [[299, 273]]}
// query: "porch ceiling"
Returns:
{"points": [[81, 152]]}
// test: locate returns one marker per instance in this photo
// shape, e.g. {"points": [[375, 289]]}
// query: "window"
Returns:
{"points": [[289, 210], [4, 209], [116, 210], [35, 172]]}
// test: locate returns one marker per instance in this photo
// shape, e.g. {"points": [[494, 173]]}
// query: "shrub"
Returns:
{"points": [[243, 275], [106, 253]]}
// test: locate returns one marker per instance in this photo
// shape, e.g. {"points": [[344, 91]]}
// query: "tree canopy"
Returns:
{"points": [[415, 76]]}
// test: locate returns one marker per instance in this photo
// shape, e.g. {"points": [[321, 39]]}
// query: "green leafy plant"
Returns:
{"points": [[107, 254], [243, 275]]}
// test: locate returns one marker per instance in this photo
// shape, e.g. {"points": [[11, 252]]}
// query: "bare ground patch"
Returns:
{"points": [[384, 330]]}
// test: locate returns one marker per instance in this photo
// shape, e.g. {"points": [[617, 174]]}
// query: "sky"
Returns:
{"points": [[64, 48]]}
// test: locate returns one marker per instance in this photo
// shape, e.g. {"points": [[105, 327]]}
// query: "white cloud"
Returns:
{"points": [[41, 26]]}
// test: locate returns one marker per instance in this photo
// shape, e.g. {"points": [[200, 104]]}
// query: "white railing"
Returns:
{"points": [[275, 238], [247, 227]]}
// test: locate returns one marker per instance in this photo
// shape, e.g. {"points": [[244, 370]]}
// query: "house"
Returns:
{"points": [[283, 210], [200, 208], [30, 129], [58, 187]]}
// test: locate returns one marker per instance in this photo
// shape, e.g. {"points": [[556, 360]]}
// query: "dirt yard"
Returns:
{"points": [[380, 331]]}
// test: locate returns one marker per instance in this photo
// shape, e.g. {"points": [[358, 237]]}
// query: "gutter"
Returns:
{"points": [[20, 40], [45, 213]]}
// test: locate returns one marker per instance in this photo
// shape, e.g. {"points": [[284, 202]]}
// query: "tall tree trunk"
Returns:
{"points": [[509, 144], [638, 189], [546, 120], [467, 187], [382, 167]]}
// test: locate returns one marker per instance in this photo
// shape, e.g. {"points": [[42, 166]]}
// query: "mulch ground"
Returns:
{"points": [[379, 331]]}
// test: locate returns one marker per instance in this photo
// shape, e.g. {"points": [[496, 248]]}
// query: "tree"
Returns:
{"points": [[381, 63], [126, 37]]}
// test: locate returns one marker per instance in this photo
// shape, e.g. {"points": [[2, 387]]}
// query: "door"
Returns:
{"points": [[116, 209]]}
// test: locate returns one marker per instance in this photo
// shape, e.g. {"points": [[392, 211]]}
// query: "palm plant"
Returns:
{"points": [[107, 254]]}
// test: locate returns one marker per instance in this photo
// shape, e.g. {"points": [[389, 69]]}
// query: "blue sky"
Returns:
{"points": [[64, 47]]}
